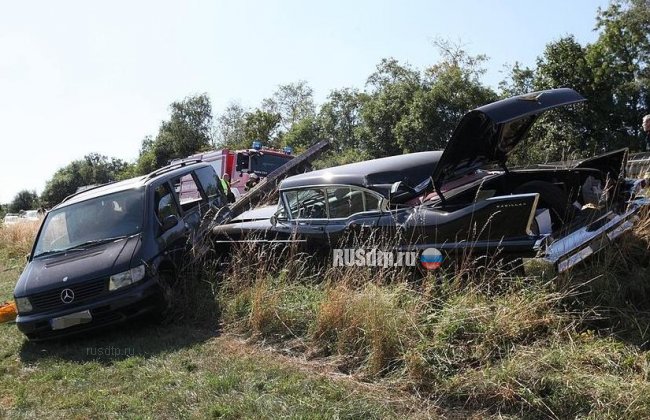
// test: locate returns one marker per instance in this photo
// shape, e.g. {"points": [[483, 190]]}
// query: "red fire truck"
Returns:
{"points": [[239, 164]]}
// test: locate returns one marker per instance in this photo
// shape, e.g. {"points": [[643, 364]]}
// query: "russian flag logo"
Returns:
{"points": [[431, 258]]}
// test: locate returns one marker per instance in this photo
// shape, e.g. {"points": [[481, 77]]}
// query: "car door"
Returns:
{"points": [[209, 182], [193, 205], [171, 236], [307, 218], [353, 215]]}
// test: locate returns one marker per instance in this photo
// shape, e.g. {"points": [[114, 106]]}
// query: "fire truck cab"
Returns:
{"points": [[240, 164]]}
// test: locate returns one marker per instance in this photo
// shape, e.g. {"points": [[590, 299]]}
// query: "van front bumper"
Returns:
{"points": [[111, 308]]}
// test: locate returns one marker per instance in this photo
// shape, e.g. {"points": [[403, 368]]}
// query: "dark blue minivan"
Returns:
{"points": [[109, 253]]}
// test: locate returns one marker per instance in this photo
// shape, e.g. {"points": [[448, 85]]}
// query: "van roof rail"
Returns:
{"points": [[76, 193], [171, 167]]}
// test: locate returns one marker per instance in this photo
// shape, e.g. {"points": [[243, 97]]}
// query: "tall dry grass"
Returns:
{"points": [[473, 335], [16, 240]]}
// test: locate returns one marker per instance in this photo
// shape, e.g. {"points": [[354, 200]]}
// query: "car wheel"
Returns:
{"points": [[551, 197], [166, 280]]}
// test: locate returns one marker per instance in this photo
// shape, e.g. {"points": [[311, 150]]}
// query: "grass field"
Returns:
{"points": [[265, 341], [181, 370]]}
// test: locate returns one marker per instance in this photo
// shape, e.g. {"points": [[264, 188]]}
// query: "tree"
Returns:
{"points": [[613, 74], [450, 88], [24, 200], [188, 131], [392, 88], [621, 62], [302, 134], [520, 80], [293, 102], [230, 128], [260, 125], [91, 170], [567, 132], [407, 111], [340, 120]]}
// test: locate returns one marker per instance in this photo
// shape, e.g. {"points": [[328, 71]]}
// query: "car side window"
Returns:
{"points": [[373, 202], [164, 204], [187, 192], [307, 204], [346, 201]]}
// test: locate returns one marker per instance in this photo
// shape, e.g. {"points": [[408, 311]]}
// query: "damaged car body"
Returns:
{"points": [[462, 200]]}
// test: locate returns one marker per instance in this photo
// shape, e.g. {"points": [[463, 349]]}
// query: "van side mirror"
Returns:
{"points": [[169, 222]]}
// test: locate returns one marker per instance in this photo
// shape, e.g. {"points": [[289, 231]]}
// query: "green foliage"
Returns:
{"points": [[613, 74], [342, 157], [24, 200], [91, 170], [392, 89], [293, 102], [290, 111], [450, 88], [261, 125], [302, 134], [188, 130], [402, 109], [340, 120], [230, 128]]}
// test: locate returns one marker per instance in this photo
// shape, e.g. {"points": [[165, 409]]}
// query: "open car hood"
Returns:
{"points": [[488, 134]]}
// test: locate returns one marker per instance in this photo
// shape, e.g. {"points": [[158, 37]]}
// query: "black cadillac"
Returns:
{"points": [[463, 199]]}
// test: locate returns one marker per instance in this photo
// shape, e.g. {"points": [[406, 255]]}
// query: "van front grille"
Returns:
{"points": [[83, 292]]}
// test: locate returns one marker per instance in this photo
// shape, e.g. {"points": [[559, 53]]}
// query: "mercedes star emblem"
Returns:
{"points": [[67, 296]]}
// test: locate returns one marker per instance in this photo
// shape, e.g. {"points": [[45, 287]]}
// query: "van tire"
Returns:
{"points": [[166, 281]]}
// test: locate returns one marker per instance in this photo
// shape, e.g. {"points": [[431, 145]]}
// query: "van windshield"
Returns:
{"points": [[93, 221]]}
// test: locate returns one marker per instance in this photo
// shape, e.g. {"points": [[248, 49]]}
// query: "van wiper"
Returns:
{"points": [[50, 252], [84, 245]]}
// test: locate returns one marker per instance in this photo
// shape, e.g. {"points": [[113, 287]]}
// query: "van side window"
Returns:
{"points": [[164, 204], [187, 192], [210, 183]]}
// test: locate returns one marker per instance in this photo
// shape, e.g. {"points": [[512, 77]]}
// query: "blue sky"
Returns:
{"points": [[80, 77]]}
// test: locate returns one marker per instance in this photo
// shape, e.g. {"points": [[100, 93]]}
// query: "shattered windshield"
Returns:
{"points": [[93, 221]]}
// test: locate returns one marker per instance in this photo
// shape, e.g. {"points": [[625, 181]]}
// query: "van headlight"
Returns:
{"points": [[126, 278], [23, 305]]}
